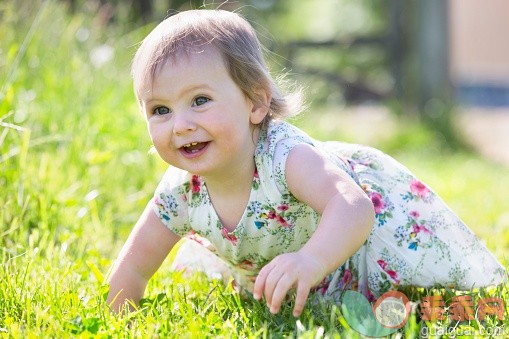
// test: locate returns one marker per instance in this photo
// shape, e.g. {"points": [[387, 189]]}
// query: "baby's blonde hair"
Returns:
{"points": [[236, 41]]}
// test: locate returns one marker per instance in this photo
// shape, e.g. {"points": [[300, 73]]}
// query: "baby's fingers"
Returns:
{"points": [[300, 298], [259, 285], [283, 286]]}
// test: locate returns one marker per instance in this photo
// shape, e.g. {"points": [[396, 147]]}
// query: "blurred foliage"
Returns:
{"points": [[336, 72], [66, 99], [343, 52], [316, 42]]}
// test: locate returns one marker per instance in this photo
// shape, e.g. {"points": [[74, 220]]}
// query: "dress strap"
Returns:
{"points": [[274, 145]]}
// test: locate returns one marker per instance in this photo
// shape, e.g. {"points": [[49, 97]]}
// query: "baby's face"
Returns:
{"points": [[198, 118]]}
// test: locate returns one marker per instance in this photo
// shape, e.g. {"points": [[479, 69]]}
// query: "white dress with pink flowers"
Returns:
{"points": [[416, 239]]}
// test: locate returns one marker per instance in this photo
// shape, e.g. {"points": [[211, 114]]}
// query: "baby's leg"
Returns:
{"points": [[192, 257]]}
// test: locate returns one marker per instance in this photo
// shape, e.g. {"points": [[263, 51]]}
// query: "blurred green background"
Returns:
{"points": [[75, 168]]}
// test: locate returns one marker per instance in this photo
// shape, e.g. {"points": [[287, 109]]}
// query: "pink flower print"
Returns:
{"points": [[230, 237], [195, 184], [378, 204], [414, 214], [200, 240], [283, 207], [247, 265], [370, 296], [393, 275], [347, 277], [418, 188], [256, 180], [322, 286], [282, 221], [194, 236], [272, 215], [235, 285], [418, 228], [382, 264]]}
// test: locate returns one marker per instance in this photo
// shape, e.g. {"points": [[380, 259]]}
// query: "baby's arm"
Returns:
{"points": [[143, 253], [347, 216]]}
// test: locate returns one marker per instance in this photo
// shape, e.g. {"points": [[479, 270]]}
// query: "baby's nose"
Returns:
{"points": [[183, 123]]}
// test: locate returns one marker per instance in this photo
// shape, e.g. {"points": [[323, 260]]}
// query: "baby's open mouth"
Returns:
{"points": [[194, 147]]}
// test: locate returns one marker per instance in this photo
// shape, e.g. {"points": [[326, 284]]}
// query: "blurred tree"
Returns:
{"points": [[347, 50], [141, 10], [426, 84], [357, 51], [435, 100]]}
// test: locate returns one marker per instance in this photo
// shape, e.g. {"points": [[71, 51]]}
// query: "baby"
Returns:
{"points": [[282, 210]]}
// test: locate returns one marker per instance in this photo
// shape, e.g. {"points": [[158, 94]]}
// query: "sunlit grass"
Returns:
{"points": [[75, 173]]}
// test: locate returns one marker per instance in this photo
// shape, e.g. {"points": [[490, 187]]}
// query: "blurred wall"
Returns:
{"points": [[480, 50]]}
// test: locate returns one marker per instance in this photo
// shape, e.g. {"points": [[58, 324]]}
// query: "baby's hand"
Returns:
{"points": [[286, 271]]}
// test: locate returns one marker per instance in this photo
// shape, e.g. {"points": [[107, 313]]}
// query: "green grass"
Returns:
{"points": [[75, 173]]}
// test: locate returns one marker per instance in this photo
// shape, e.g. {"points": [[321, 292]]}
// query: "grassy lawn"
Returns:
{"points": [[75, 173]]}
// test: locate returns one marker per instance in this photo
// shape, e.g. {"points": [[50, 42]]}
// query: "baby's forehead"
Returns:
{"points": [[183, 56], [195, 56]]}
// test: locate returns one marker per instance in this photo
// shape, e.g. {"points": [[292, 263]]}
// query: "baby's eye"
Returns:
{"points": [[200, 101], [161, 110]]}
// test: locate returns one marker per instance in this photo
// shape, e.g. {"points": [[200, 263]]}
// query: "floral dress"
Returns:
{"points": [[416, 239]]}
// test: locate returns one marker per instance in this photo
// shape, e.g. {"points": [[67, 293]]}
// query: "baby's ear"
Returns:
{"points": [[260, 107]]}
